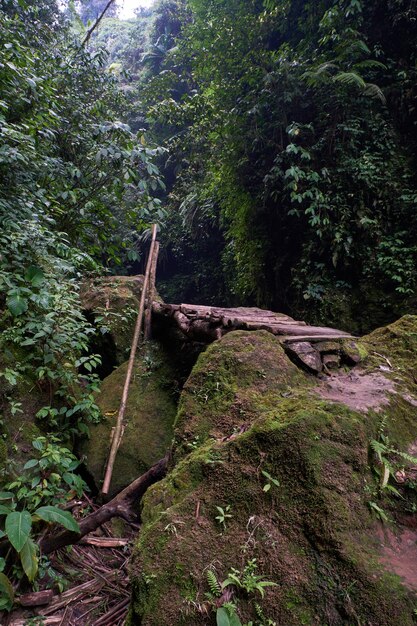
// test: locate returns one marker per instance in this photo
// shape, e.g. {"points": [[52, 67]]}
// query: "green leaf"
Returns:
{"points": [[18, 525], [17, 304], [30, 464], [234, 619], [53, 514], [4, 510], [35, 275], [222, 617], [6, 589], [29, 560], [6, 495]]}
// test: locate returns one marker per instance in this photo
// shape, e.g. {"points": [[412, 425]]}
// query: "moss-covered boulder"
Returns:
{"points": [[20, 400], [268, 469], [112, 303], [150, 415]]}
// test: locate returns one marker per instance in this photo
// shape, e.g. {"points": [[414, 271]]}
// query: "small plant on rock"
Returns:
{"points": [[224, 514], [247, 579], [224, 599], [270, 481]]}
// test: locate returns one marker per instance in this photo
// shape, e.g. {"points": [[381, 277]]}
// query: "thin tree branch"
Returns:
{"points": [[96, 23]]}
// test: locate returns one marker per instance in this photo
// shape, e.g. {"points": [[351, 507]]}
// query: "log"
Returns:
{"points": [[37, 598], [120, 506], [104, 542], [315, 338], [47, 621], [62, 600]]}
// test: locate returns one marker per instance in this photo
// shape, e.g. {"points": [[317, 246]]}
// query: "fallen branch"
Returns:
{"points": [[62, 600], [120, 506]]}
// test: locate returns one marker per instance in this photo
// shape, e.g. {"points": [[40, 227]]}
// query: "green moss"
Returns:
{"points": [[3, 454], [232, 380], [313, 535], [114, 301], [150, 414]]}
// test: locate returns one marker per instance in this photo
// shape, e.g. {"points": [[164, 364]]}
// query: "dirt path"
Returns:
{"points": [[359, 390]]}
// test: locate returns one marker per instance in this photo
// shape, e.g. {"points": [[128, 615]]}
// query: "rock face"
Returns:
{"points": [[112, 303], [150, 416], [291, 469], [306, 355]]}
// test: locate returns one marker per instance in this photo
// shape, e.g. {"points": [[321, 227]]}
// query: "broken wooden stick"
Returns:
{"points": [[138, 327], [120, 506], [104, 542]]}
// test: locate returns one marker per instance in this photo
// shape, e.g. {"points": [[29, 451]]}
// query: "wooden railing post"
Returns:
{"points": [[151, 294], [118, 433]]}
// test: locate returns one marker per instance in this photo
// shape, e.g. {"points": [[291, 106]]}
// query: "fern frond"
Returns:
{"points": [[370, 63], [380, 449], [375, 92], [407, 457], [259, 613], [350, 78], [213, 583]]}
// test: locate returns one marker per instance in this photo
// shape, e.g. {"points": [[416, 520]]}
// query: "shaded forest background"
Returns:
{"points": [[290, 130]]}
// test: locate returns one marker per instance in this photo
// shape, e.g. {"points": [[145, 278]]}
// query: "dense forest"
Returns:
{"points": [[274, 145], [291, 137]]}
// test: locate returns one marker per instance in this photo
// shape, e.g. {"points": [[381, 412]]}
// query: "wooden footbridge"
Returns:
{"points": [[207, 323]]}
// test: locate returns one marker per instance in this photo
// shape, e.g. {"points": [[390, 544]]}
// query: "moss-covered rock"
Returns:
{"points": [[19, 404], [150, 415], [253, 434], [113, 302]]}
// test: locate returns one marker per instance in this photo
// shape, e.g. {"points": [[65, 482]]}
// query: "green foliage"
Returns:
{"points": [[227, 616], [292, 137], [223, 515], [77, 186], [270, 481], [75, 182], [390, 459], [213, 583], [247, 579], [19, 526], [49, 478]]}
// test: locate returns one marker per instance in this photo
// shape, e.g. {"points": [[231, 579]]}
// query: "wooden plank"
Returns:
{"points": [[37, 598], [314, 338]]}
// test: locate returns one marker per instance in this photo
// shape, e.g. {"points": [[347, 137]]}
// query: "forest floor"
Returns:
{"points": [[96, 582]]}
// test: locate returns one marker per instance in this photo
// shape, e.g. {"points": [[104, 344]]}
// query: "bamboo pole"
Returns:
{"points": [[151, 296], [118, 433]]}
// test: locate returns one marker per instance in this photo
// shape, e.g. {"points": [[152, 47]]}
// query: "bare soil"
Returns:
{"points": [[357, 389], [398, 552]]}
